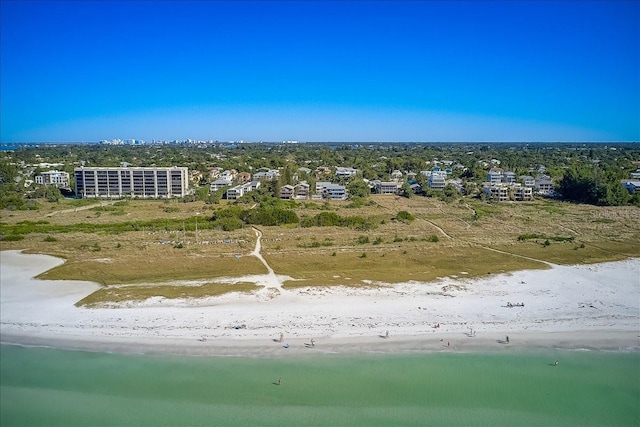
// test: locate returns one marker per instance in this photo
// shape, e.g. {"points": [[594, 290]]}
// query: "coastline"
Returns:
{"points": [[528, 342], [585, 307]]}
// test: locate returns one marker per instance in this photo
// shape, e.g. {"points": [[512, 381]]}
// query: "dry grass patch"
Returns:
{"points": [[132, 293], [566, 253], [625, 248], [356, 267], [139, 257], [159, 266]]}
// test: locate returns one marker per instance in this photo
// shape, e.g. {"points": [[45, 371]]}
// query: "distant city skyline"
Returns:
{"points": [[432, 71]]}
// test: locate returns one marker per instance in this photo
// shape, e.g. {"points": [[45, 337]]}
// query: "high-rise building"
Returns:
{"points": [[116, 182]]}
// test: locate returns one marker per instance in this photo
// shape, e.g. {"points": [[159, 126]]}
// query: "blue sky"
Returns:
{"points": [[320, 71]]}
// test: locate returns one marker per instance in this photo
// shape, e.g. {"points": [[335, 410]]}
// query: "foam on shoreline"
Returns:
{"points": [[575, 307]]}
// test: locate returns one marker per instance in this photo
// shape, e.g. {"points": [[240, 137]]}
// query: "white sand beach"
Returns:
{"points": [[577, 307]]}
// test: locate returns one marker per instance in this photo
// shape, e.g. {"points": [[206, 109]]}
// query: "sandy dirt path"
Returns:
{"points": [[82, 208]]}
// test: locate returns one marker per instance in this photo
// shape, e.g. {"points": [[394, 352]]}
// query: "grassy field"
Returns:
{"points": [[390, 264], [121, 294], [143, 242]]}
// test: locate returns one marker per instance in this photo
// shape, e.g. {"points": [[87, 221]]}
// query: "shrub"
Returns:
{"points": [[269, 216], [404, 216], [363, 240], [229, 224], [331, 219], [356, 202], [524, 237], [528, 236], [364, 255], [377, 241], [433, 238], [327, 219], [50, 239], [12, 238], [561, 239]]}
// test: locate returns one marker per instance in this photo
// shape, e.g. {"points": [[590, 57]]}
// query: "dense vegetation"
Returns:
{"points": [[596, 185], [588, 173]]}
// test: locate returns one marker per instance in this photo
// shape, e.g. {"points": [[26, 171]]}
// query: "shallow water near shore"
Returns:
{"points": [[43, 386]]}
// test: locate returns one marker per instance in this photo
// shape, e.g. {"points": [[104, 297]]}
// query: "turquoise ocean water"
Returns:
{"points": [[49, 387]]}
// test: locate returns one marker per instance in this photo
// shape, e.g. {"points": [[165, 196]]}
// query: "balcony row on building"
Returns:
{"points": [[503, 185], [542, 184], [300, 191], [228, 177], [240, 190], [136, 182], [324, 190], [503, 191], [57, 178]]}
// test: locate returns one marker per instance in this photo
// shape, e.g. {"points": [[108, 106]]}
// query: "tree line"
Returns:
{"points": [[587, 173]]}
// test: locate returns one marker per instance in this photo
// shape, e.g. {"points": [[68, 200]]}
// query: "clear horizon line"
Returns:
{"points": [[334, 142]]}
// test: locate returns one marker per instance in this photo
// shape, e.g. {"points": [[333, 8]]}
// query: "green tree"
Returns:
{"points": [[8, 172], [578, 184], [594, 185], [406, 190], [49, 192], [358, 189], [613, 194]]}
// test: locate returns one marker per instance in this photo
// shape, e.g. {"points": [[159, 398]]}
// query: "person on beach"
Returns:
{"points": [[313, 342], [281, 337], [555, 363], [507, 339], [386, 335], [279, 381]]}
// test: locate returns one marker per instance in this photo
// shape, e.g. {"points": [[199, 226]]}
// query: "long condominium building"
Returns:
{"points": [[106, 182]]}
